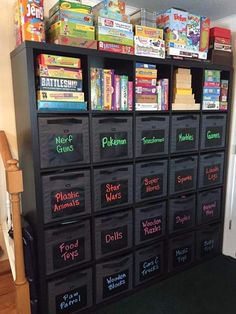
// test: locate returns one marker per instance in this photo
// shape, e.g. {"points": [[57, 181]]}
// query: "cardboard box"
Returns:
{"points": [[61, 105], [59, 84], [116, 48], [146, 73], [115, 36], [74, 41], [70, 29], [150, 32], [103, 21], [60, 96], [60, 61], [205, 34], [144, 46], [210, 105], [59, 72], [220, 32], [111, 15], [147, 106], [193, 32], [179, 106], [146, 98], [116, 6], [70, 6], [76, 17]]}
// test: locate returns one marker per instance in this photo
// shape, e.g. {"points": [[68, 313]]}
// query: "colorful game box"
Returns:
{"points": [[70, 6], [74, 41], [60, 61], [60, 96], [150, 32], [60, 72], [61, 105], [70, 29], [59, 84], [116, 48], [116, 6], [193, 32], [205, 34], [144, 46], [111, 15], [103, 21], [115, 36], [96, 77], [76, 17]]}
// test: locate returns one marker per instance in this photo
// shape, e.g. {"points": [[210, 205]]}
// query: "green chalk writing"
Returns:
{"points": [[185, 137], [109, 142], [212, 136], [153, 140]]}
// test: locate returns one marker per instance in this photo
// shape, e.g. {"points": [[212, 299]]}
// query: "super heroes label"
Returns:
{"points": [[152, 185]]}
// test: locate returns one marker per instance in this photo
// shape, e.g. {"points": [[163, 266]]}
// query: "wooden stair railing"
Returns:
{"points": [[14, 183]]}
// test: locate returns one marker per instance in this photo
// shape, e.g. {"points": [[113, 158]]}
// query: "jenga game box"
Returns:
{"points": [[29, 20]]}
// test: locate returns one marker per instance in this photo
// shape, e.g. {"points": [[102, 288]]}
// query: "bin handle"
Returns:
{"points": [[112, 120], [149, 250], [74, 228], [212, 155], [116, 264], [186, 118], [70, 278], [214, 117], [70, 177], [184, 200], [152, 207], [157, 163], [65, 121], [146, 119], [177, 161], [114, 171], [115, 218]]}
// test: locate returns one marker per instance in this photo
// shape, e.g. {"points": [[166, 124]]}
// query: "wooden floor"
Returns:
{"points": [[7, 291]]}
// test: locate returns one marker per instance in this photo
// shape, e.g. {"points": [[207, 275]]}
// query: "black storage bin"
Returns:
{"points": [[112, 138], [113, 233], [208, 242], [67, 246], [63, 141], [151, 180], [185, 133], [182, 213], [183, 174], [149, 263], [66, 195], [213, 131], [71, 293], [114, 277], [150, 222], [211, 169], [181, 251], [152, 135], [209, 206], [113, 187]]}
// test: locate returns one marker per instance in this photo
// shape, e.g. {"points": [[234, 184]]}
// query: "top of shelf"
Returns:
{"points": [[54, 48]]}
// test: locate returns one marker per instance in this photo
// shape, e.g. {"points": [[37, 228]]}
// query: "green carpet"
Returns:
{"points": [[209, 288]]}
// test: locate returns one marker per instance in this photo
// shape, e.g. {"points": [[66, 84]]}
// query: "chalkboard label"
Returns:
{"points": [[114, 239], [209, 210], [212, 174], [182, 256], [116, 283], [185, 139], [184, 179], [152, 186], [71, 301], [66, 147], [68, 253], [213, 136], [67, 202], [207, 246], [114, 193], [153, 142], [182, 219], [150, 268], [113, 145], [150, 228]]}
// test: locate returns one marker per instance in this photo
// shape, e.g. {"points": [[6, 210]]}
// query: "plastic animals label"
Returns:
{"points": [[185, 139], [182, 219], [67, 202], [68, 253], [151, 228], [213, 136], [182, 256], [152, 186], [71, 301], [114, 239], [153, 141], [114, 193], [150, 268], [184, 180], [113, 145], [212, 174], [115, 283]]}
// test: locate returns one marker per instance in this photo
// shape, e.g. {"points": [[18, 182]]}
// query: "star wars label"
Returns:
{"points": [[182, 256], [153, 142], [150, 228], [67, 202], [116, 283], [185, 139], [150, 268], [207, 247], [114, 239], [65, 147], [212, 174], [114, 193], [182, 219], [113, 145], [152, 186], [184, 180], [71, 301], [213, 136], [68, 253], [209, 210]]}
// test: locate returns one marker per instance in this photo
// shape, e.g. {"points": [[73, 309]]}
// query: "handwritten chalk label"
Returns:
{"points": [[152, 142], [213, 136], [182, 219], [150, 268], [65, 147], [184, 180], [114, 239], [72, 300], [115, 283], [152, 186], [212, 174], [113, 145], [185, 139], [207, 247], [67, 202], [114, 193], [68, 253], [209, 210], [150, 228], [182, 256]]}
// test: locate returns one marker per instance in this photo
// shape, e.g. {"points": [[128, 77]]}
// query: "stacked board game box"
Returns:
{"points": [[211, 90], [114, 10], [183, 98], [144, 18], [71, 23], [110, 91], [224, 88], [59, 83]]}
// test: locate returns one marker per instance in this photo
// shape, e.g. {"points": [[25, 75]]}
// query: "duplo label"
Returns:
{"points": [[113, 145], [185, 139], [150, 228], [184, 180], [207, 247], [68, 253], [114, 239], [152, 142], [71, 301], [213, 136], [212, 174], [115, 283], [150, 268], [182, 256], [152, 185], [67, 202], [182, 219], [114, 193]]}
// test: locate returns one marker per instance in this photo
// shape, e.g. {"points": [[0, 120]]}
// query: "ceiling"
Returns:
{"points": [[215, 9]]}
